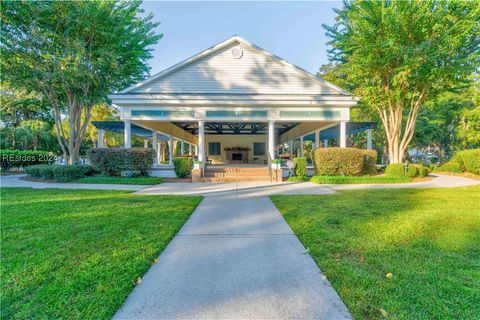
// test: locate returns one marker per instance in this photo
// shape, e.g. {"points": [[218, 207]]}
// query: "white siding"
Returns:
{"points": [[221, 73]]}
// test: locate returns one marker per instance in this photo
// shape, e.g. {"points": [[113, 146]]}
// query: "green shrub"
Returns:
{"points": [[449, 167], [369, 161], [112, 161], [343, 161], [183, 166], [60, 173], [21, 159], [412, 171], [67, 173], [300, 166], [469, 160], [421, 171], [40, 171], [395, 169]]}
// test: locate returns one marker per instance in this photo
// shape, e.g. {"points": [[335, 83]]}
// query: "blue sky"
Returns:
{"points": [[291, 30]]}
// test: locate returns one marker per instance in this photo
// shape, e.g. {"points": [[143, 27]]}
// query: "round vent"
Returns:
{"points": [[237, 52]]}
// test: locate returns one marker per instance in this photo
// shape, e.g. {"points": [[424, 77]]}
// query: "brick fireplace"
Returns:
{"points": [[237, 155]]}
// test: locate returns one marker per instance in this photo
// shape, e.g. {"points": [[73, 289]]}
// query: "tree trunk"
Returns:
{"points": [[392, 119]]}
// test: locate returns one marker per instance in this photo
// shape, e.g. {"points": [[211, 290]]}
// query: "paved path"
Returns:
{"points": [[249, 189], [242, 189], [234, 258]]}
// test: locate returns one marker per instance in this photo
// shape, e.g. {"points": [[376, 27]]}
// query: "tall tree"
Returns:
{"points": [[17, 106], [398, 53], [74, 54]]}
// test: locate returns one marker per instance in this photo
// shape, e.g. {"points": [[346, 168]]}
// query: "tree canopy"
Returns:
{"points": [[74, 54], [396, 54]]}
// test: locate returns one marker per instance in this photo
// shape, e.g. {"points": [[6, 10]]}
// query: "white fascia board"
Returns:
{"points": [[215, 97], [272, 114], [230, 104]]}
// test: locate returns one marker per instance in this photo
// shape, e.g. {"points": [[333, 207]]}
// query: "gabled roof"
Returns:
{"points": [[217, 49]]}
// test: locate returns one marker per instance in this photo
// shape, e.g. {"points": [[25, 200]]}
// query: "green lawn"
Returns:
{"points": [[121, 180], [428, 239], [75, 254], [351, 180]]}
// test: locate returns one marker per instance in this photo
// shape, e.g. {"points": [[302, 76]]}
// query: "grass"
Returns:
{"points": [[75, 254], [121, 180], [360, 179], [415, 253]]}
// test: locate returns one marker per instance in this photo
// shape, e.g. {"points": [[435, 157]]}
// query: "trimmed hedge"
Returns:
{"points": [[395, 169], [21, 159], [60, 173], [183, 166], [344, 161], [469, 160], [421, 171], [112, 161], [300, 166], [369, 161], [449, 167], [40, 171], [410, 170]]}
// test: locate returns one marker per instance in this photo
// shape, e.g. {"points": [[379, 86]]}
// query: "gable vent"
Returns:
{"points": [[237, 52]]}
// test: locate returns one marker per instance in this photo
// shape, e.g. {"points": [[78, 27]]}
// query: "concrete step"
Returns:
{"points": [[227, 174], [236, 174], [233, 179]]}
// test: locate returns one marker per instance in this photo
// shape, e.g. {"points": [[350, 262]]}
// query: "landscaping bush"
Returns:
{"points": [[421, 171], [183, 166], [300, 166], [412, 171], [21, 159], [449, 167], [68, 173], [369, 161], [469, 160], [40, 171], [112, 161], [340, 161], [60, 173], [395, 169]]}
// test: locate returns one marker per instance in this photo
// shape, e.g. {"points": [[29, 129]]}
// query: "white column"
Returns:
{"points": [[291, 147], [127, 139], [182, 147], [369, 139], [155, 146], [145, 143], [325, 143], [190, 149], [170, 151], [343, 134], [271, 139], [100, 138], [159, 152], [317, 138], [301, 146], [201, 141]]}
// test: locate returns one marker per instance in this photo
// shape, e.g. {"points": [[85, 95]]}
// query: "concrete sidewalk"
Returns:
{"points": [[234, 258], [259, 189]]}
